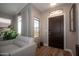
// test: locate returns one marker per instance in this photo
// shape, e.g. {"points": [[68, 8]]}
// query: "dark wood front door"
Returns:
{"points": [[56, 32]]}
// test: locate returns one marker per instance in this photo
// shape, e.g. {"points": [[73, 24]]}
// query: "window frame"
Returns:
{"points": [[37, 19]]}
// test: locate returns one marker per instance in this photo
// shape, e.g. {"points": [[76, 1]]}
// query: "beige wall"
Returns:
{"points": [[77, 22], [5, 15], [26, 24], [69, 37], [26, 27], [14, 21], [28, 13], [34, 13]]}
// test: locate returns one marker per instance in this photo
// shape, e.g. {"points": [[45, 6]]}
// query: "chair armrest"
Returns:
{"points": [[27, 50]]}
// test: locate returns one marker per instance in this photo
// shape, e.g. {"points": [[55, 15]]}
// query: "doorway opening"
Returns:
{"points": [[56, 31]]}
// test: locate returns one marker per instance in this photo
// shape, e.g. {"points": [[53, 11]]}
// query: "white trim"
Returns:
{"points": [[65, 32], [45, 44], [56, 13]]}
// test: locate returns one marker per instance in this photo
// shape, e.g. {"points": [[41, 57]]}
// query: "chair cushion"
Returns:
{"points": [[21, 41], [6, 42]]}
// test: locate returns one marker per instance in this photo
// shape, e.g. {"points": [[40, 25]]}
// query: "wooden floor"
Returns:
{"points": [[50, 51]]}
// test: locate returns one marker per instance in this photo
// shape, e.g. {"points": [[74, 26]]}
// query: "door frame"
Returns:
{"points": [[48, 30]]}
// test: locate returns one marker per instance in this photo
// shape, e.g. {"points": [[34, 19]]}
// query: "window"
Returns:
{"points": [[4, 22], [19, 24], [36, 27]]}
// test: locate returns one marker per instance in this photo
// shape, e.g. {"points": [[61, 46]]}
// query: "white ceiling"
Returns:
{"points": [[14, 8], [45, 6], [11, 8], [42, 6]]}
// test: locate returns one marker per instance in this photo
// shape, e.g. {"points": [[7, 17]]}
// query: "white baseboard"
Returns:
{"points": [[45, 44]]}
